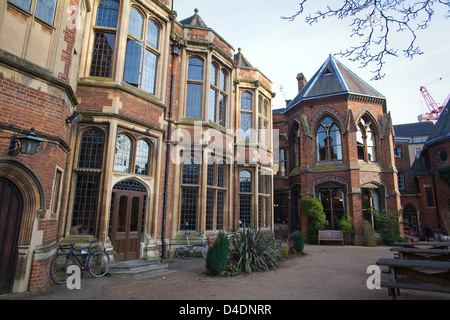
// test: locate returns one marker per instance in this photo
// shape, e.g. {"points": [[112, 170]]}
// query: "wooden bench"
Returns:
{"points": [[424, 275], [331, 235]]}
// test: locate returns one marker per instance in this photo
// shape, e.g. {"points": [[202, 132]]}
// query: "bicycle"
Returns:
{"points": [[181, 252], [97, 262]]}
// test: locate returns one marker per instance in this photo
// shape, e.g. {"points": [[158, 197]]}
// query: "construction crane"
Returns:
{"points": [[434, 109]]}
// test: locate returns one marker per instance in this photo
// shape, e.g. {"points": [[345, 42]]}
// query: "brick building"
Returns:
{"points": [[138, 117], [336, 144], [425, 193]]}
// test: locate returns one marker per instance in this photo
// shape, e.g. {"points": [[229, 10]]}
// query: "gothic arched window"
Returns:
{"points": [[366, 140], [328, 139]]}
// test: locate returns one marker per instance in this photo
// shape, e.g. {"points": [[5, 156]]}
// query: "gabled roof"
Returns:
{"points": [[241, 60], [333, 78], [441, 129], [195, 21]]}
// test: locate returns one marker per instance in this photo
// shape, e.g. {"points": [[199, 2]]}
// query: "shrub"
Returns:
{"points": [[388, 225], [217, 256], [249, 252], [313, 208], [346, 224], [368, 234], [297, 239]]}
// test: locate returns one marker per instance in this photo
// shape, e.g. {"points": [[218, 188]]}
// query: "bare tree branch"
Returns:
{"points": [[375, 21]]}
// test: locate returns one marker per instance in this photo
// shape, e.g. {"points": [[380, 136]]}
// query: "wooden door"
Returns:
{"points": [[127, 224], [11, 209]]}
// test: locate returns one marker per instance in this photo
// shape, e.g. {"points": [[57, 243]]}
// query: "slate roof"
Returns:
{"points": [[441, 129], [333, 78], [415, 129], [195, 21]]}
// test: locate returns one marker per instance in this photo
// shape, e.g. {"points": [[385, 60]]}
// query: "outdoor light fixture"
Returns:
{"points": [[175, 50], [24, 144]]}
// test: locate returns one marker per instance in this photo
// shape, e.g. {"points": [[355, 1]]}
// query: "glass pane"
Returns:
{"points": [[188, 215], [210, 199], [321, 145], [45, 10], [142, 158], [107, 14], [84, 213], [213, 75], [245, 203], [195, 71], [222, 110], [246, 101], [133, 62], [335, 142], [134, 214], [91, 149], [246, 126], [190, 170], [102, 55], [122, 214], [152, 34], [194, 100], [327, 121], [223, 80], [210, 173], [221, 175], [24, 4], [220, 209], [136, 23], [360, 144], [371, 145], [150, 71], [212, 104], [123, 154], [245, 181]]}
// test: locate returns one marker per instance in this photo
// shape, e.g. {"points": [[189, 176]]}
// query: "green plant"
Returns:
{"points": [[217, 256], [313, 208], [298, 241], [389, 226], [346, 224], [250, 251], [368, 234]]}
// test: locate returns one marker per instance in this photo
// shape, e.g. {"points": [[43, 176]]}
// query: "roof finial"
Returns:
{"points": [[196, 10]]}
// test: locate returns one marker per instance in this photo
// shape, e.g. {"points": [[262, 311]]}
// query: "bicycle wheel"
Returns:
{"points": [[98, 263], [204, 252], [180, 252], [58, 270]]}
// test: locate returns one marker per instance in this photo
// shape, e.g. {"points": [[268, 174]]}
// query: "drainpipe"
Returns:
{"points": [[175, 53]]}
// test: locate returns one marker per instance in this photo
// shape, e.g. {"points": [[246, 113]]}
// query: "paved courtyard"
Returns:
{"points": [[326, 272]]}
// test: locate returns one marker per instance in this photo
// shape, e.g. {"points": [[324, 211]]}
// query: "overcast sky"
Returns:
{"points": [[281, 49]]}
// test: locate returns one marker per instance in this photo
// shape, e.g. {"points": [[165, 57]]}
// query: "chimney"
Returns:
{"points": [[301, 80]]}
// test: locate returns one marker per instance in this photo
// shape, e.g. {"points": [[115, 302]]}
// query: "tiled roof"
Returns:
{"points": [[441, 129]]}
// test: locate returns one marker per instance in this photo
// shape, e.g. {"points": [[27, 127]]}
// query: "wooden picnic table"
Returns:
{"points": [[423, 253], [436, 245], [426, 275]]}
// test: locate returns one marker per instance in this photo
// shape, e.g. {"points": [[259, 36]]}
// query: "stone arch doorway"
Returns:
{"points": [[410, 217], [128, 207], [11, 211]]}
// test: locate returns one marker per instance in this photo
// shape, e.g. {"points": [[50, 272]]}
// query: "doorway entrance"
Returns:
{"points": [[410, 218], [11, 210], [333, 202], [128, 206]]}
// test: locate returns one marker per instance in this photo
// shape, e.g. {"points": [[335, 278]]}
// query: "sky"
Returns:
{"points": [[281, 49]]}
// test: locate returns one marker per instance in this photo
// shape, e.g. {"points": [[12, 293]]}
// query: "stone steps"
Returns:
{"points": [[136, 268]]}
